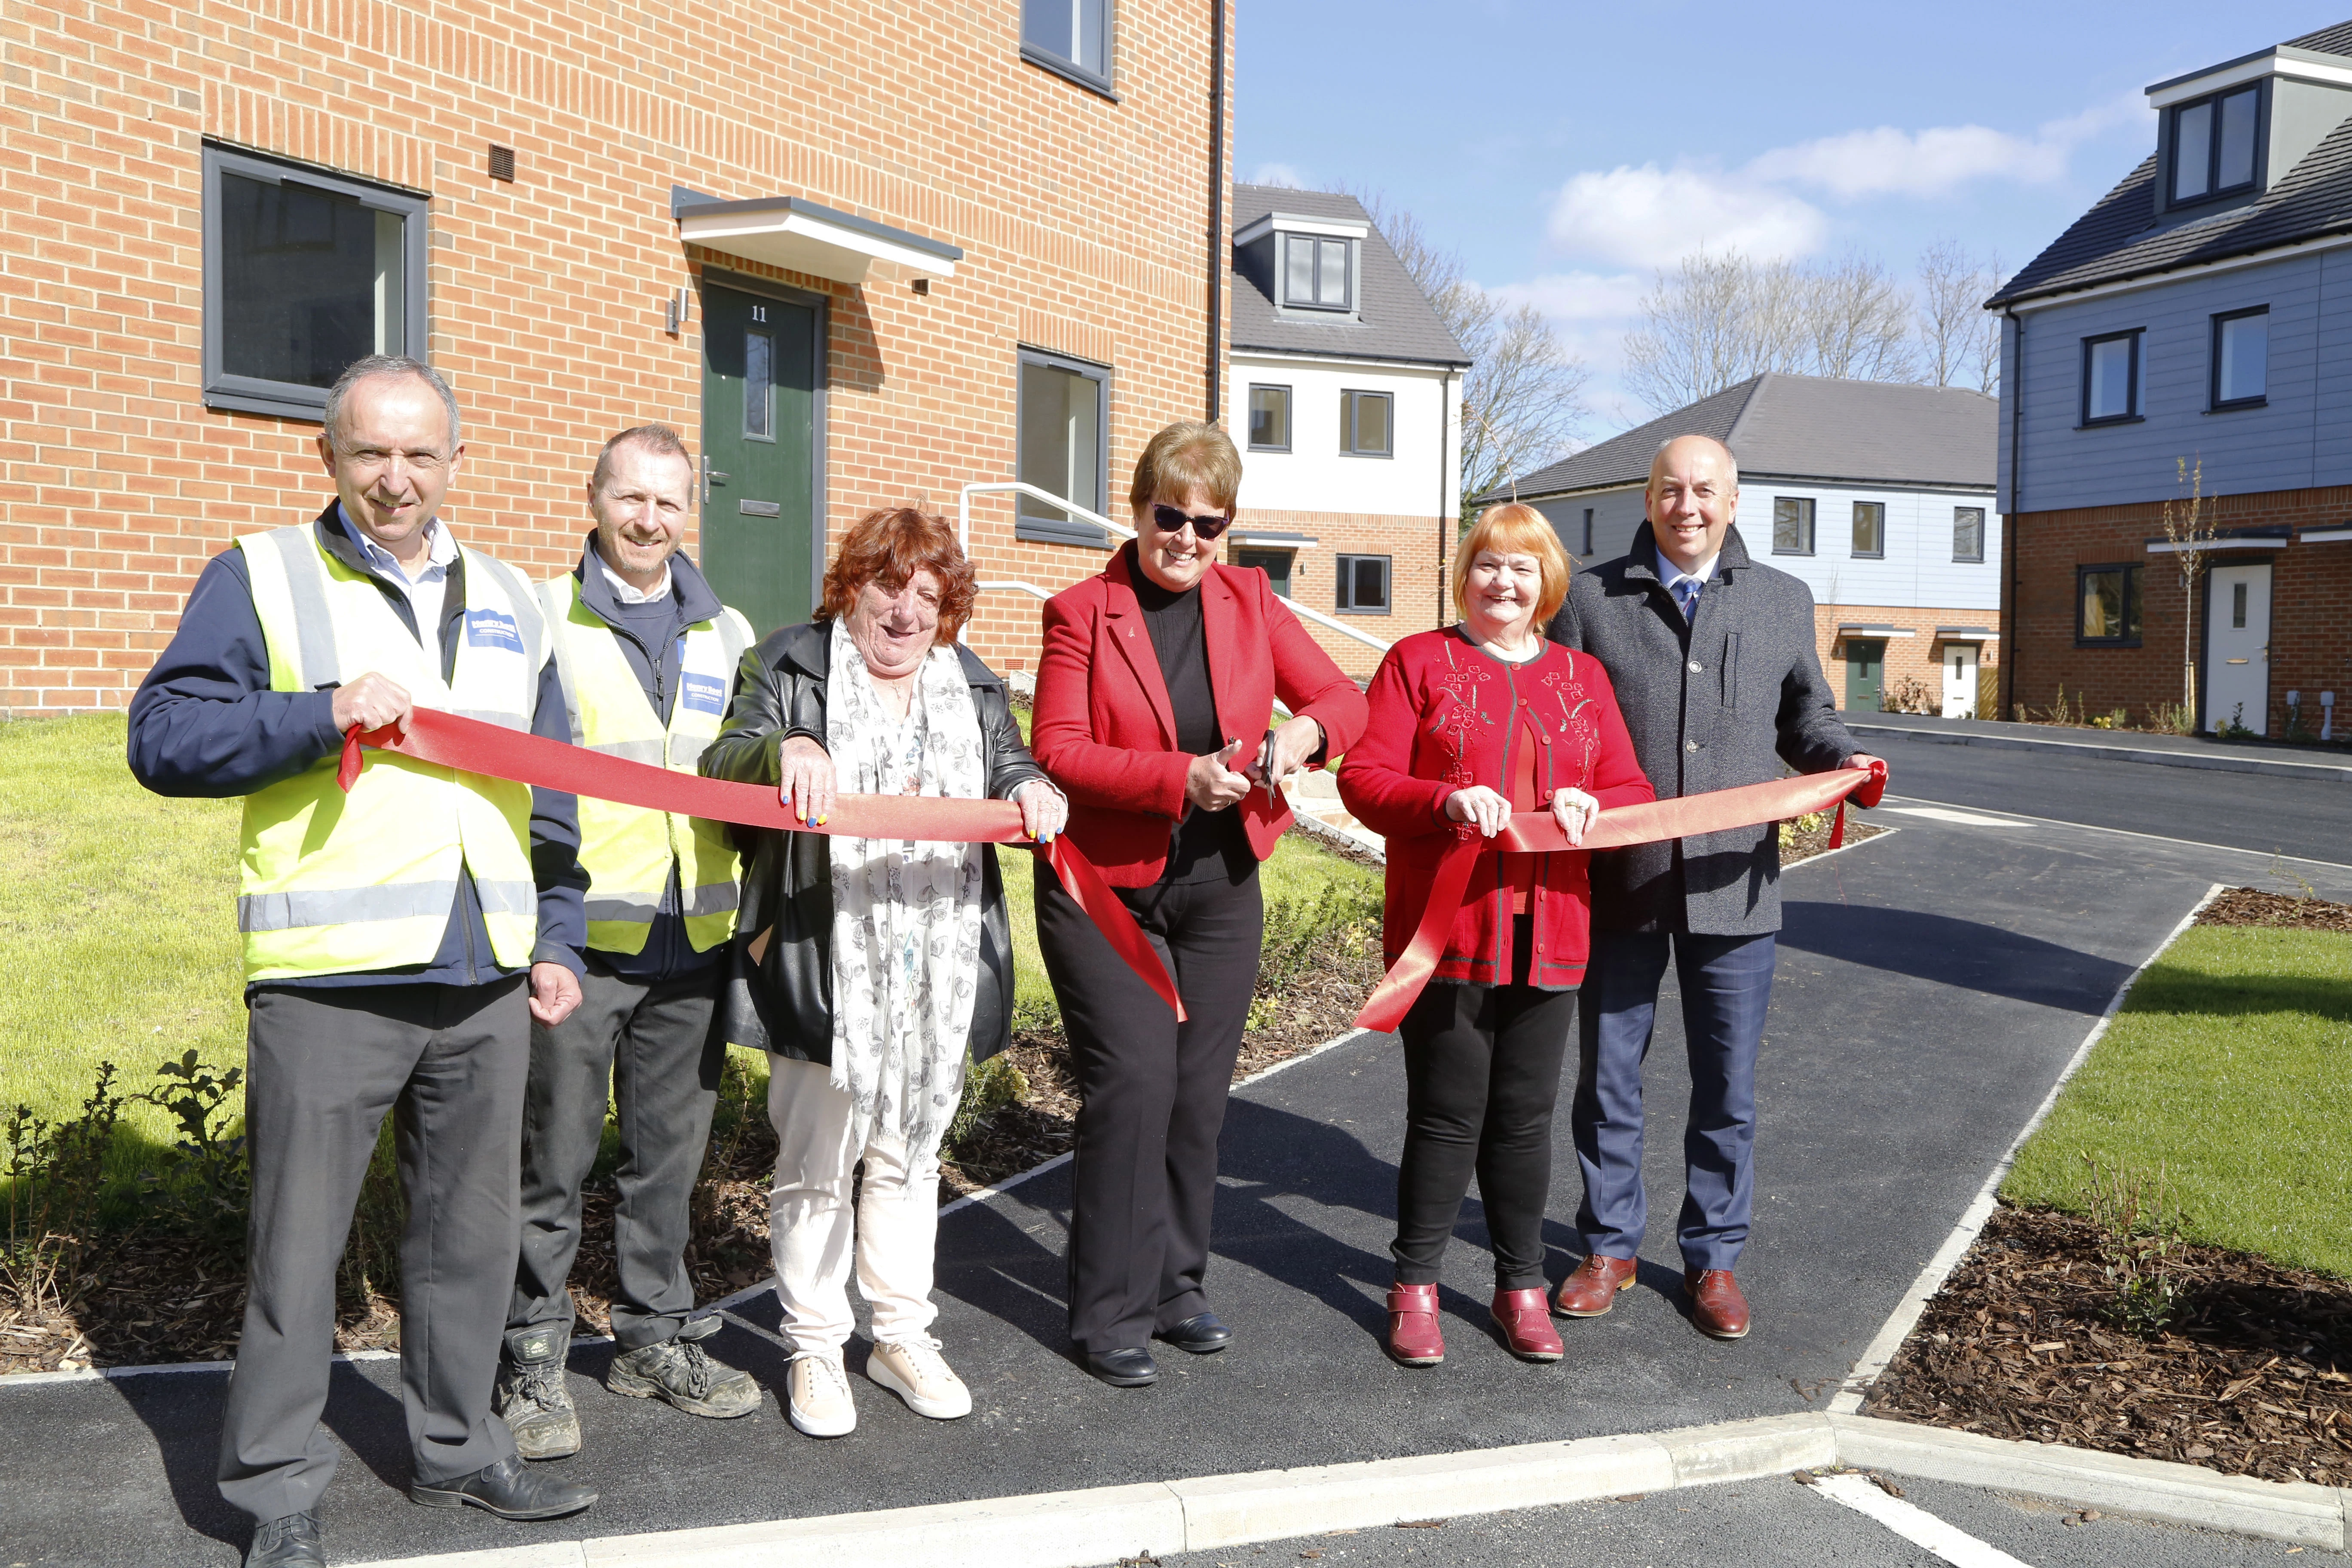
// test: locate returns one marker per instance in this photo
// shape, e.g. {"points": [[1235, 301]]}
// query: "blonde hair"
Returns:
{"points": [[1514, 528], [1183, 455]]}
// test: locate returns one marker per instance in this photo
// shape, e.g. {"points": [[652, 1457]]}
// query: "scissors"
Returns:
{"points": [[1266, 771]]}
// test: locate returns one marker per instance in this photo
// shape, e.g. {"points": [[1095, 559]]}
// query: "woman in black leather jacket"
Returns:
{"points": [[867, 968]]}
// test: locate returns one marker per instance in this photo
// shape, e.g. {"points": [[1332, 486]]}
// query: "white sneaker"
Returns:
{"points": [[819, 1402], [916, 1372]]}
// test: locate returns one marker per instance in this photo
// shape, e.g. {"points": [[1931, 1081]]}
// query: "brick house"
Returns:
{"points": [[1876, 495], [1347, 400], [2195, 317], [857, 259]]}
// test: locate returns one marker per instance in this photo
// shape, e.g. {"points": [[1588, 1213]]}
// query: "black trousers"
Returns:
{"points": [[1145, 1173], [650, 1045], [1482, 1065], [323, 1067]]}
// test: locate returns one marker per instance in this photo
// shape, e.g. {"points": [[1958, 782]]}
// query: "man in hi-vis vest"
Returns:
{"points": [[399, 941], [646, 656]]}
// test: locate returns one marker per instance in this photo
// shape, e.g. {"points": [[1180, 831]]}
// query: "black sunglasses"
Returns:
{"points": [[1168, 520]]}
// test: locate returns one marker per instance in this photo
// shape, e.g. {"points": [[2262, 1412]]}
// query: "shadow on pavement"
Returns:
{"points": [[1969, 954]]}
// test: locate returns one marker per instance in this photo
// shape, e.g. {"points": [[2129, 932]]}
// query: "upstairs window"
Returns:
{"points": [[1315, 272], [1869, 529], [304, 272], [2242, 351], [1792, 525], [2111, 378], [1364, 424], [1967, 532], [1069, 37], [1269, 418], [2213, 145]]}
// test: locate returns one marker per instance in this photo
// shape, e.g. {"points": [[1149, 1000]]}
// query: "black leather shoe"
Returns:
{"points": [[1124, 1368], [1201, 1335], [287, 1542], [509, 1489]]}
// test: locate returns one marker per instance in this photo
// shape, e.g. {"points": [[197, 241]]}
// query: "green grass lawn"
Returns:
{"points": [[2228, 1066]]}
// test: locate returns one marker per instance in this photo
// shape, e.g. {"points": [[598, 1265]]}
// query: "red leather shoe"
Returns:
{"points": [[1718, 1308], [1414, 1338], [1525, 1324], [1592, 1288]]}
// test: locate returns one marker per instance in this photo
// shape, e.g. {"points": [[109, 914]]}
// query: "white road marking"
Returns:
{"points": [[1964, 818], [2019, 818], [1912, 1523]]}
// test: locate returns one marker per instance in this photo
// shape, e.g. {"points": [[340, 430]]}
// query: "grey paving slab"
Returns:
{"points": [[1768, 1524], [1933, 984]]}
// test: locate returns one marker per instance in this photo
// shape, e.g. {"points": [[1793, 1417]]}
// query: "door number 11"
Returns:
{"points": [[759, 312]]}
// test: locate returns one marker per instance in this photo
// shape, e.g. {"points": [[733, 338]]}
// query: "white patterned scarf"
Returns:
{"points": [[906, 915]]}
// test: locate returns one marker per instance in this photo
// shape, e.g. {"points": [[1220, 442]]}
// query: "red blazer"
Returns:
{"points": [[1103, 728], [1445, 716]]}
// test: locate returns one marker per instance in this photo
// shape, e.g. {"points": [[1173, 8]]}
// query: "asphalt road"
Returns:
{"points": [[1933, 983]]}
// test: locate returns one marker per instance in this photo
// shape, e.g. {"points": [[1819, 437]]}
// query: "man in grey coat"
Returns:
{"points": [[1712, 656]]}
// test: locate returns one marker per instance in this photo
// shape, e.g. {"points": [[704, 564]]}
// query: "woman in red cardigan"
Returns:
{"points": [[1155, 700], [1469, 724]]}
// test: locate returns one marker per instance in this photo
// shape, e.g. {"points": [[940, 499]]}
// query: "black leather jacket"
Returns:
{"points": [[783, 1002]]}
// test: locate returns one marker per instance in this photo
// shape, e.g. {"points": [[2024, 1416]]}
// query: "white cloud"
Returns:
{"points": [[1289, 175], [1578, 296], [1888, 161], [1652, 217]]}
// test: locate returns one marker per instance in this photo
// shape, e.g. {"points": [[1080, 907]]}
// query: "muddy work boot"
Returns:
{"points": [[530, 1397], [677, 1370]]}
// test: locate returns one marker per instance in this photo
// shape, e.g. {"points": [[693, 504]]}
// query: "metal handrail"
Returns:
{"points": [[1016, 487], [1030, 589]]}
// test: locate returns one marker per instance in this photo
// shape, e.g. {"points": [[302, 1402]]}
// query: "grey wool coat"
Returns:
{"points": [[1720, 702]]}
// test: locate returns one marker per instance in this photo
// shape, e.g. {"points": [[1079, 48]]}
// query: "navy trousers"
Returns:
{"points": [[1726, 985]]}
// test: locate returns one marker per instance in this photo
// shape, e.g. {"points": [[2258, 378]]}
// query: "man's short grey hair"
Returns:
{"points": [[373, 365], [1729, 461], [660, 440]]}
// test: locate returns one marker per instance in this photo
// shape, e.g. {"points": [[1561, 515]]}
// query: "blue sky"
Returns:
{"points": [[1568, 150]]}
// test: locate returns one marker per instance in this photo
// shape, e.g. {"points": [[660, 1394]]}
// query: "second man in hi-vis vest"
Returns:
{"points": [[646, 656]]}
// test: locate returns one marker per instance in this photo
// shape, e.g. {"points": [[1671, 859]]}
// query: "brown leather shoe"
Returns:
{"points": [[1592, 1288], [1718, 1308]]}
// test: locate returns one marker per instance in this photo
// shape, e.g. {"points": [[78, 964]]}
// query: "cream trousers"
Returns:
{"points": [[811, 1228]]}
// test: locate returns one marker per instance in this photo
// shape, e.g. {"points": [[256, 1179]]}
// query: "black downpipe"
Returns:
{"points": [[1216, 206]]}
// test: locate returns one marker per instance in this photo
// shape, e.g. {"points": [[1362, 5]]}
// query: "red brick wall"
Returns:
{"points": [[2311, 605], [1915, 657], [1416, 575], [1082, 223]]}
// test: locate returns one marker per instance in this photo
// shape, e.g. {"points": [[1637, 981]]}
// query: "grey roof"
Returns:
{"points": [[1803, 427], [1397, 320], [2120, 237]]}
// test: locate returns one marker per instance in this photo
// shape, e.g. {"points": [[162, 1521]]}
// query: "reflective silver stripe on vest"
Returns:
{"points": [[635, 911], [494, 716], [507, 898], [685, 752], [634, 750], [314, 621], [307, 907], [711, 898]]}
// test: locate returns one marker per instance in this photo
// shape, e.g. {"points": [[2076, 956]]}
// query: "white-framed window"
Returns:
{"points": [[1318, 272], [1363, 585], [2111, 377], [1367, 424], [1869, 529], [2242, 353], [304, 272], [1071, 38], [2214, 145], [1269, 418], [1967, 532], [1792, 525], [1064, 446]]}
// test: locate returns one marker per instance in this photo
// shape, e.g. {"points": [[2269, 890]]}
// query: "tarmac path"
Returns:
{"points": [[1933, 984]]}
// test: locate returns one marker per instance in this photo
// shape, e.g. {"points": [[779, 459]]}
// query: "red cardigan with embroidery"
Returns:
{"points": [[1445, 716]]}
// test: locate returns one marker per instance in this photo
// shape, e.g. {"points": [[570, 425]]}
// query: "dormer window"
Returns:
{"points": [[2214, 145], [1316, 273]]}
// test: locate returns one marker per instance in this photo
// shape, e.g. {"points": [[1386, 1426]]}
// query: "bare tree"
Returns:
{"points": [[2190, 531], [1858, 323], [1714, 323], [1960, 340], [1522, 398]]}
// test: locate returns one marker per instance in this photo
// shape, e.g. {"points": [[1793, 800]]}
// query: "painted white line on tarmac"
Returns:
{"points": [[1959, 819], [1913, 1523], [2016, 818], [1905, 1317]]}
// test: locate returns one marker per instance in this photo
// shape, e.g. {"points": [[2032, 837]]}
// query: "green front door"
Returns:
{"points": [[1866, 674], [1275, 563], [759, 364]]}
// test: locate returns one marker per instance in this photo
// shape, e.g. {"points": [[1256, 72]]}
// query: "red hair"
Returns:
{"points": [[888, 547]]}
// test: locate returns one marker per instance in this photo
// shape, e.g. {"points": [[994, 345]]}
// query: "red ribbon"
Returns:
{"points": [[1539, 833], [471, 746]]}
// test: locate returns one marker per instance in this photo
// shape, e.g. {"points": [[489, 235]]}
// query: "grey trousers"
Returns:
{"points": [[651, 1046], [323, 1067]]}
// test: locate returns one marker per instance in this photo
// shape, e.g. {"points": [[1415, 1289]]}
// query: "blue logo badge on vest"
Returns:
{"points": [[492, 629], [704, 694]]}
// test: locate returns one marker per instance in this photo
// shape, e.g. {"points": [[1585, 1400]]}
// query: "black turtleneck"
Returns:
{"points": [[1209, 845]]}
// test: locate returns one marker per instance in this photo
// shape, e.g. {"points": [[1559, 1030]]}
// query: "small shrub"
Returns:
{"points": [[988, 1088], [2114, 719], [2141, 1228], [1909, 695], [2173, 718], [208, 1185], [54, 1173], [2233, 728]]}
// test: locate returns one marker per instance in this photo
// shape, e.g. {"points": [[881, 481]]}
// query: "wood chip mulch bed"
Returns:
{"points": [[2253, 1376]]}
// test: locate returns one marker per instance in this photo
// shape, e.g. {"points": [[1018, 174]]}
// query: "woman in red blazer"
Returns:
{"points": [[1469, 724], [1154, 714]]}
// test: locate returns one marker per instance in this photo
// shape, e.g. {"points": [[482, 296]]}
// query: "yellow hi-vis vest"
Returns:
{"points": [[337, 883], [628, 850]]}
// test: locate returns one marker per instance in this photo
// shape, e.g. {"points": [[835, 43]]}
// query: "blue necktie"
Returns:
{"points": [[1686, 596]]}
